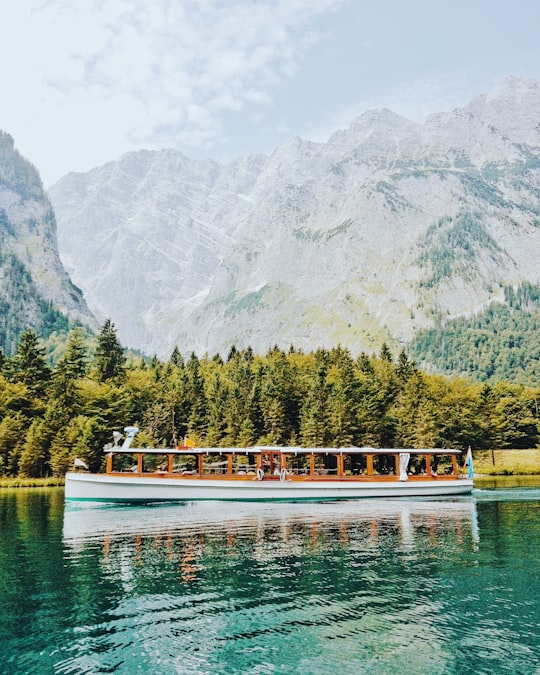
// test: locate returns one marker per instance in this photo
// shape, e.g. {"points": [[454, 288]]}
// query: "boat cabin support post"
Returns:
{"points": [[340, 465], [369, 465]]}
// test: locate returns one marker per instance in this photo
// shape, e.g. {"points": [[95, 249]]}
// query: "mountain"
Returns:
{"points": [[35, 290], [389, 228]]}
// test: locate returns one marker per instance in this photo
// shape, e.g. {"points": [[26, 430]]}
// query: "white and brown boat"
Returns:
{"points": [[263, 473]]}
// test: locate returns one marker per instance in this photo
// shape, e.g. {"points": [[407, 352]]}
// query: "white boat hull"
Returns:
{"points": [[114, 488]]}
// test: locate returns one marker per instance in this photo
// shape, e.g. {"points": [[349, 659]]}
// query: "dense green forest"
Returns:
{"points": [[499, 343], [51, 414]]}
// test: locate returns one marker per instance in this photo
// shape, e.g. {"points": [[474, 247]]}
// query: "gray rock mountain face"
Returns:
{"points": [[34, 285], [387, 227]]}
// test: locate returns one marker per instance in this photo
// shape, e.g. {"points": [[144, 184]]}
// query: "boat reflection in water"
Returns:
{"points": [[194, 531]]}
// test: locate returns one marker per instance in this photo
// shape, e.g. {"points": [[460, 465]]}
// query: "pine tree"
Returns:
{"points": [[29, 366], [215, 431], [12, 438], [110, 360], [176, 358], [34, 460], [70, 368], [196, 397], [280, 397], [75, 358], [313, 418], [341, 404]]}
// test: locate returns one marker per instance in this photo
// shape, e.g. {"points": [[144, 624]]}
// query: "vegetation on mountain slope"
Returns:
{"points": [[499, 343], [35, 290]]}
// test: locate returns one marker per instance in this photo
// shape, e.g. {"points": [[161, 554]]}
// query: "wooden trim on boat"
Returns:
{"points": [[278, 459]]}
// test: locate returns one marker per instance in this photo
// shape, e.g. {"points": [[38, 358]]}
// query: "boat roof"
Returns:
{"points": [[291, 450]]}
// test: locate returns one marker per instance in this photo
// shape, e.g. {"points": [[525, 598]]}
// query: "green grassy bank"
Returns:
{"points": [[507, 462], [7, 482]]}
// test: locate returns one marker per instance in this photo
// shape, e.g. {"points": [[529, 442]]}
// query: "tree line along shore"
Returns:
{"points": [[52, 413]]}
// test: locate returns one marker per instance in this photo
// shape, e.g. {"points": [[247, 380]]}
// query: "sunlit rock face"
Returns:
{"points": [[387, 227]]}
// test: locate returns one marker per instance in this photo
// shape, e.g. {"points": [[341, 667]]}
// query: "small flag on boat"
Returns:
{"points": [[79, 464], [188, 442], [469, 463]]}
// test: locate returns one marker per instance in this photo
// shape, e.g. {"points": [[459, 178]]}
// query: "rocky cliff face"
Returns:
{"points": [[387, 227], [35, 290]]}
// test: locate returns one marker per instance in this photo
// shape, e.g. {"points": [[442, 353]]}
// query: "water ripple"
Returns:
{"points": [[421, 587]]}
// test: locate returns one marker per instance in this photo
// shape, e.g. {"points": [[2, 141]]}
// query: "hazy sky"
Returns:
{"points": [[83, 81]]}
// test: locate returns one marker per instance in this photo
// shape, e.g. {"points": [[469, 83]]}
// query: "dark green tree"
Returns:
{"points": [[342, 399], [216, 426], [280, 397], [196, 396], [313, 418], [109, 358], [29, 365], [176, 358]]}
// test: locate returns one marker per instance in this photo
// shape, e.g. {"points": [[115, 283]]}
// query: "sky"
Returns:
{"points": [[84, 81]]}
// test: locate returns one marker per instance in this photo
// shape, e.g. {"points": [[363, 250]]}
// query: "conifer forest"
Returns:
{"points": [[50, 414]]}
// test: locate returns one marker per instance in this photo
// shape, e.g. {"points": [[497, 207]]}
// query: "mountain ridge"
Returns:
{"points": [[375, 234]]}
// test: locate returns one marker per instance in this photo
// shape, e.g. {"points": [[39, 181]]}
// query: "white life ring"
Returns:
{"points": [[260, 474], [283, 474]]}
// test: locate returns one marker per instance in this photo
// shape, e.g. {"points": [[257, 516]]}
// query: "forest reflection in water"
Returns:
{"points": [[411, 586]]}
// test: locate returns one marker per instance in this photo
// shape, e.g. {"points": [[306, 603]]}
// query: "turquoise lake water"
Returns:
{"points": [[449, 586]]}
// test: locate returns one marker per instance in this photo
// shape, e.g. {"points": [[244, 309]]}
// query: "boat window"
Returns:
{"points": [[215, 464], [325, 465], [123, 461], [155, 463], [184, 464], [442, 465], [354, 465], [298, 465], [244, 465], [417, 465], [385, 465]]}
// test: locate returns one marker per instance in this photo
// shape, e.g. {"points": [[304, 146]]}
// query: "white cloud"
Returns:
{"points": [[84, 81], [125, 72]]}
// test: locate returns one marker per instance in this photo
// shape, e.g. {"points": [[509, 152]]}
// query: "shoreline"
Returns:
{"points": [[20, 482]]}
